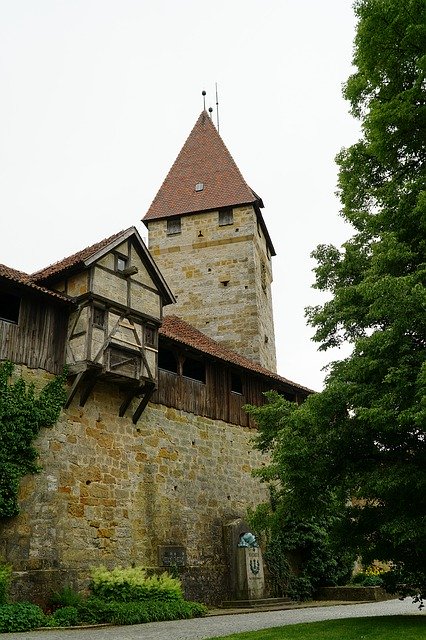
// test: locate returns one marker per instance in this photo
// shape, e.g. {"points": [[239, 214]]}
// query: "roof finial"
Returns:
{"points": [[210, 112], [217, 109], [203, 93]]}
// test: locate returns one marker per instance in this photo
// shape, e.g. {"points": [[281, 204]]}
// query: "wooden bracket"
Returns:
{"points": [[149, 389]]}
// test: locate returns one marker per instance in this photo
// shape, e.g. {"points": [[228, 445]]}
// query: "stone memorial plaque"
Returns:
{"points": [[172, 556]]}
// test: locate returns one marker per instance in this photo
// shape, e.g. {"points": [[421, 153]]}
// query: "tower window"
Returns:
{"points": [[9, 307], [173, 226], [226, 216]]}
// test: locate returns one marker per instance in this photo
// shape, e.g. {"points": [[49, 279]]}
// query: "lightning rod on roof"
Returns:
{"points": [[203, 93], [217, 109]]}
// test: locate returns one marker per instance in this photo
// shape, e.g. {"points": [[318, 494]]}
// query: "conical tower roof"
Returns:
{"points": [[206, 162]]}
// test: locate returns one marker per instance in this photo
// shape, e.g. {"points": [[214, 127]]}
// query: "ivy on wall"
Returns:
{"points": [[23, 413]]}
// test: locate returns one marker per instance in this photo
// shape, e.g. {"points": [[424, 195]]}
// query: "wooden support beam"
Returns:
{"points": [[127, 400], [74, 387], [149, 390], [87, 390]]}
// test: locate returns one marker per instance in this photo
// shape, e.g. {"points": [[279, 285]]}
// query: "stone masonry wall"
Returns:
{"points": [[111, 492], [221, 277]]}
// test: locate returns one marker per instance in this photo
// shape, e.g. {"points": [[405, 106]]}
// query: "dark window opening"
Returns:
{"points": [[9, 307], [173, 226], [99, 317], [226, 216], [194, 369], [150, 336], [120, 263], [167, 361], [236, 383]]}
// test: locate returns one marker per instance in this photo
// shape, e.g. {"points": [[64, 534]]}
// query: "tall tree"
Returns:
{"points": [[361, 441]]}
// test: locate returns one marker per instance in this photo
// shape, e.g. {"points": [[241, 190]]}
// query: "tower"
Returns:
{"points": [[208, 237]]}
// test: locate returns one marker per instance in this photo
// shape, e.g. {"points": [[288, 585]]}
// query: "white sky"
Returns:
{"points": [[98, 97]]}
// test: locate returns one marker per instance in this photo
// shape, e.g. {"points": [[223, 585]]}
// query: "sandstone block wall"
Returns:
{"points": [[111, 492], [221, 277]]}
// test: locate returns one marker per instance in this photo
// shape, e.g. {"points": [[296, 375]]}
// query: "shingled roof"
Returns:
{"points": [[23, 280], [203, 159], [180, 331], [75, 260]]}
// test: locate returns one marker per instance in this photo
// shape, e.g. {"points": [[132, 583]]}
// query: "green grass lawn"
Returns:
{"points": [[380, 628]]}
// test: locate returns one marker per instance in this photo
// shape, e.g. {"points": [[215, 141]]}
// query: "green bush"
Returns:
{"points": [[64, 617], [96, 611], [133, 584], [5, 577], [22, 616]]}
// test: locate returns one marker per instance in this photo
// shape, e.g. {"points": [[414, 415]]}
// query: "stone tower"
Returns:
{"points": [[208, 237]]}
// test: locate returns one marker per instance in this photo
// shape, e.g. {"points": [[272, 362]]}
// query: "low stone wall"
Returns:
{"points": [[352, 593]]}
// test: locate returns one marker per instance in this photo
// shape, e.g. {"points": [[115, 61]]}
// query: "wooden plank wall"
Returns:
{"points": [[38, 340], [213, 399]]}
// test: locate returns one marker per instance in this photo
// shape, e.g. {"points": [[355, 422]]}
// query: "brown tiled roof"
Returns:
{"points": [[205, 159], [180, 331], [23, 279], [77, 259]]}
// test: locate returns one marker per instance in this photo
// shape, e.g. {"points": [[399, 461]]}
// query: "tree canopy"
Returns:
{"points": [[361, 441]]}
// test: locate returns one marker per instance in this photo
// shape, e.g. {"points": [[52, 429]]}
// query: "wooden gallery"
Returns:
{"points": [[151, 457]]}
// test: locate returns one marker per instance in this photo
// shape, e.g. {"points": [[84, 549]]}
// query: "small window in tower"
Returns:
{"points": [[226, 216], [99, 317], [167, 360], [199, 186], [194, 369], [120, 262], [9, 307], [236, 384], [173, 226]]}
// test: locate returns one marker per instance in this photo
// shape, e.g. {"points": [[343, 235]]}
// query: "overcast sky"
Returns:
{"points": [[98, 97]]}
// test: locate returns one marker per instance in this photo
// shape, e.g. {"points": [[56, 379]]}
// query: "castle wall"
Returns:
{"points": [[221, 277], [112, 492]]}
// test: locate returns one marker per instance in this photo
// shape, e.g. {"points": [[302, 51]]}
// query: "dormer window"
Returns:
{"points": [[120, 263], [199, 186], [226, 216], [173, 226]]}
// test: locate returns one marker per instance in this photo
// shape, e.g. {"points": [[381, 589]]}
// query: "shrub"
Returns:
{"points": [[64, 617], [5, 577], [133, 584], [364, 579], [96, 610], [22, 616]]}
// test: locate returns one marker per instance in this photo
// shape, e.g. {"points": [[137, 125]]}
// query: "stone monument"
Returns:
{"points": [[250, 577]]}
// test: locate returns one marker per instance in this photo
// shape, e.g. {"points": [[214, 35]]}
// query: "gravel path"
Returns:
{"points": [[216, 626]]}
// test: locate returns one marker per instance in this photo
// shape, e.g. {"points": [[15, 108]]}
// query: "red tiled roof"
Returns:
{"points": [[205, 159], [23, 279], [180, 331], [77, 259]]}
